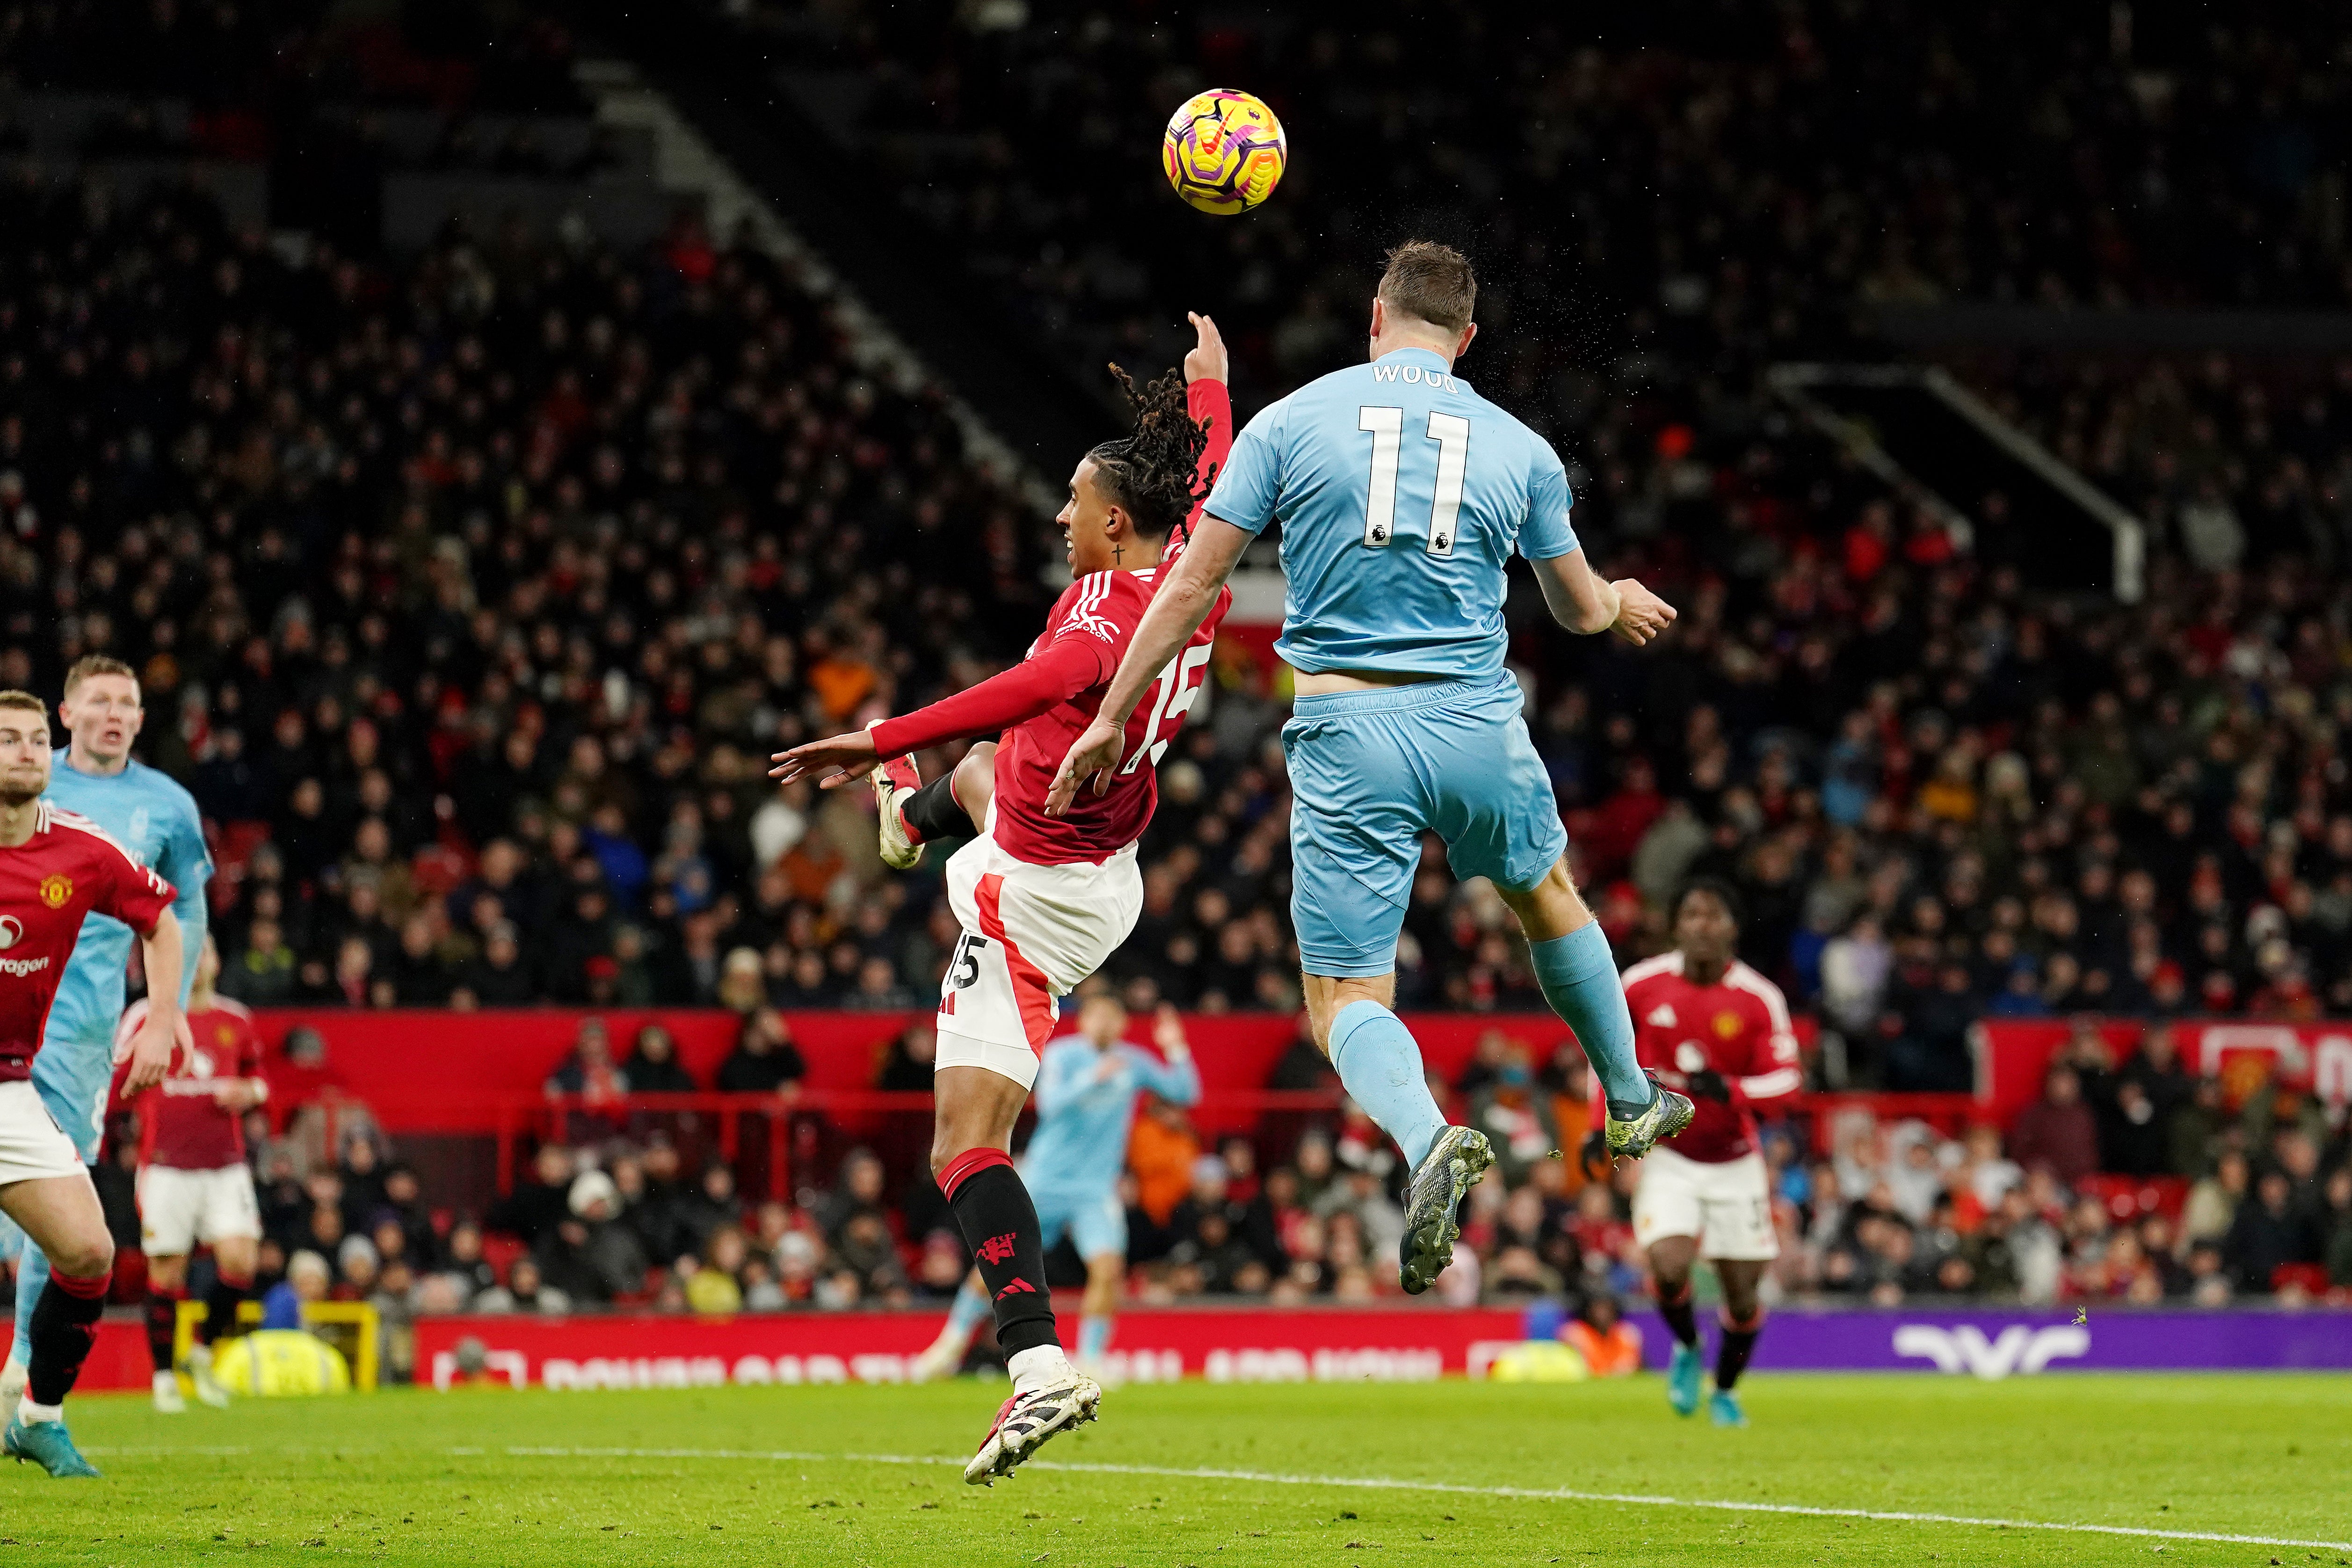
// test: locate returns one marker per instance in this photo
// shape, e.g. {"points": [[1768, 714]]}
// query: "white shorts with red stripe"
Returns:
{"points": [[1031, 933]]}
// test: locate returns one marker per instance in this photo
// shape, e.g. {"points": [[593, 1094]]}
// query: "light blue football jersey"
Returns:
{"points": [[1402, 494], [157, 821], [1080, 1144]]}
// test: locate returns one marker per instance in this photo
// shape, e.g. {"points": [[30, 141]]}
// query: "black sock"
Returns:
{"points": [[163, 1326], [1739, 1344], [999, 1224], [1676, 1311], [65, 1325], [221, 1303], [931, 812]]}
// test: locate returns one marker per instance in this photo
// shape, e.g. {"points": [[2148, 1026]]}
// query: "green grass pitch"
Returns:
{"points": [[1300, 1476]]}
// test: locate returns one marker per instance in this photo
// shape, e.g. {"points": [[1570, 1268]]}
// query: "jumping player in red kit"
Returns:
{"points": [[193, 1186], [54, 868], [1717, 1030], [1043, 900]]}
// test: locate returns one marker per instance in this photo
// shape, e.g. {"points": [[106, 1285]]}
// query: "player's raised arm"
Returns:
{"points": [[1177, 610]]}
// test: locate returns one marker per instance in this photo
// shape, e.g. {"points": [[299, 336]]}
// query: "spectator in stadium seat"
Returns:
{"points": [[2135, 1142], [711, 1204], [462, 1262], [539, 1199], [653, 1067], [1931, 1055], [1160, 1151], [307, 1278], [2057, 1133], [764, 1060], [261, 970], [403, 1205], [2215, 1198], [524, 1291], [2269, 1231], [742, 981], [908, 1065], [357, 1267], [589, 1074], [497, 976], [2336, 1221], [588, 1255]]}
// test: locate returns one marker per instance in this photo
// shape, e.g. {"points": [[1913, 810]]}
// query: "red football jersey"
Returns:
{"points": [[1107, 606], [180, 1124], [68, 868], [1738, 1028]]}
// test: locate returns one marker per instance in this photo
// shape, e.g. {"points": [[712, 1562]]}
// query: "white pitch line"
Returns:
{"points": [[1391, 1483]]}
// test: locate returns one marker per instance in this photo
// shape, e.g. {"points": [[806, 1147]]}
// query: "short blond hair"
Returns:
{"points": [[24, 700], [1430, 281], [91, 664]]}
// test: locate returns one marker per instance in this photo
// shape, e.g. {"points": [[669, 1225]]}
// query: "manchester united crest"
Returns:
{"points": [[56, 891]]}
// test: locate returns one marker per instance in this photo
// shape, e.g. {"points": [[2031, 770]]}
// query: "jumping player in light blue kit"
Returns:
{"points": [[1085, 1095], [151, 816], [1402, 495]]}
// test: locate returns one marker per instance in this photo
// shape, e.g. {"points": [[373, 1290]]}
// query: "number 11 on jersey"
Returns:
{"points": [[1386, 428]]}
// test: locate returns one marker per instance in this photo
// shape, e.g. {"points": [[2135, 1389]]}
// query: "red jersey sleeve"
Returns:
{"points": [[1773, 1068], [1079, 650], [1210, 403], [126, 889]]}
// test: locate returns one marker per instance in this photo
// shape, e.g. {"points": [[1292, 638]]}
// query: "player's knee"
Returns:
{"points": [[86, 1257]]}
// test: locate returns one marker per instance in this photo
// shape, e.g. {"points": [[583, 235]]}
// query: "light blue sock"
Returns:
{"points": [[32, 1273], [970, 1306], [1579, 977], [1380, 1067], [1094, 1338]]}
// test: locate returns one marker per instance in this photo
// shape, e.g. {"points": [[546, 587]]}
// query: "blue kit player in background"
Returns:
{"points": [[156, 820], [1086, 1094], [1402, 495]]}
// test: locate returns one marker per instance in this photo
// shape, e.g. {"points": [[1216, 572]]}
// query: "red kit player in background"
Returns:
{"points": [[1714, 1028], [193, 1186], [54, 868], [1043, 900]]}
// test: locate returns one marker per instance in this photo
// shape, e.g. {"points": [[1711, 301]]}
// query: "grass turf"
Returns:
{"points": [[720, 1475]]}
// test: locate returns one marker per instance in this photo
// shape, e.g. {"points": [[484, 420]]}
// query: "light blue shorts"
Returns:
{"points": [[1094, 1225], [1373, 771]]}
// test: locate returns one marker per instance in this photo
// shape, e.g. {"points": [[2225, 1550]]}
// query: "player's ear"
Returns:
{"points": [[1464, 346]]}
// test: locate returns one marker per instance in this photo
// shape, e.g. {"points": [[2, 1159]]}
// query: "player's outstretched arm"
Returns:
{"points": [[1055, 673], [1176, 612], [1585, 605], [165, 1031]]}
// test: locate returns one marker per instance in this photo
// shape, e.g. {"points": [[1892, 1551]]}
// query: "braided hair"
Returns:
{"points": [[1153, 472]]}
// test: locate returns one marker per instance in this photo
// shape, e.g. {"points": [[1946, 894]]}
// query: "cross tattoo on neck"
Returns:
{"points": [[1117, 553]]}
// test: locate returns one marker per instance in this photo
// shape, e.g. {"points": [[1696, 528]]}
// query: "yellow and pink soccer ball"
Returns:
{"points": [[1224, 151]]}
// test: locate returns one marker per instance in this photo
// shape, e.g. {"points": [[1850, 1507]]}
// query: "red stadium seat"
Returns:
{"points": [[2309, 1278], [499, 1251], [2129, 1197]]}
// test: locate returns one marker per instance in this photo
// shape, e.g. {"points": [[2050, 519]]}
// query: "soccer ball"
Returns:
{"points": [[1224, 151]]}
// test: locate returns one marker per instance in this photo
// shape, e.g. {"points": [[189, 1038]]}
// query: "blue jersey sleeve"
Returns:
{"points": [[1246, 490], [1178, 1083], [187, 864], [1064, 1074], [1546, 534]]}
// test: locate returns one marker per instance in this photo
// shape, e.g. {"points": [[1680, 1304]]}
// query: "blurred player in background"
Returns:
{"points": [[153, 817], [1402, 495], [1044, 900], [54, 868], [1087, 1084], [1719, 1031], [193, 1187]]}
